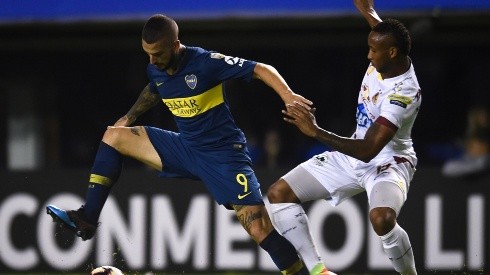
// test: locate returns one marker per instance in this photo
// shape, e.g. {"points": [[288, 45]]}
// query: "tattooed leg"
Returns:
{"points": [[256, 221]]}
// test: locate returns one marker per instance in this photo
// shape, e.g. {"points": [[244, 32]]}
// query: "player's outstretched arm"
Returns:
{"points": [[376, 138], [366, 8], [145, 101], [271, 77]]}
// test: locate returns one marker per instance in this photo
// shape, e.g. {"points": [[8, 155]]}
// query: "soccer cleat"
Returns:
{"points": [[320, 269], [73, 220]]}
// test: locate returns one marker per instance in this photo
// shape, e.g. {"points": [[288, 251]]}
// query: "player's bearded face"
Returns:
{"points": [[170, 62], [167, 59], [161, 53]]}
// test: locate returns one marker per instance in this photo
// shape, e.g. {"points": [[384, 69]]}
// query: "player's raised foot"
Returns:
{"points": [[321, 269], [73, 220]]}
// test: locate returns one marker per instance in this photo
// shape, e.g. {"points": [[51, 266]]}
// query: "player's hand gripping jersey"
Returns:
{"points": [[195, 95], [395, 99]]}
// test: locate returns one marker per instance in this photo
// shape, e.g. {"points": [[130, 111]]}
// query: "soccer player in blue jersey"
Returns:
{"points": [[209, 146]]}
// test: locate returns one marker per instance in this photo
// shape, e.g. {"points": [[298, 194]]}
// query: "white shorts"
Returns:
{"points": [[335, 177]]}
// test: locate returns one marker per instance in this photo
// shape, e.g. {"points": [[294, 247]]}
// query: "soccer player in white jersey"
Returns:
{"points": [[378, 158]]}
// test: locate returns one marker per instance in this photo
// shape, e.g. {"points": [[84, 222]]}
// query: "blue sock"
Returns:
{"points": [[104, 174], [283, 254]]}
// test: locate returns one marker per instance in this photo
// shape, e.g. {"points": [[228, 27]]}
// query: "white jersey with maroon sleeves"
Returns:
{"points": [[393, 102]]}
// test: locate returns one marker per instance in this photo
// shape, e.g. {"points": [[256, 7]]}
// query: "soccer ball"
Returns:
{"points": [[106, 270]]}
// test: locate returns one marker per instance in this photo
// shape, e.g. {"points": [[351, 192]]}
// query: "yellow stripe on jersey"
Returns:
{"points": [[370, 70], [98, 179], [195, 105]]}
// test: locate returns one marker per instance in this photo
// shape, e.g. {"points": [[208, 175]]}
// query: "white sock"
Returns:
{"points": [[398, 248], [292, 222]]}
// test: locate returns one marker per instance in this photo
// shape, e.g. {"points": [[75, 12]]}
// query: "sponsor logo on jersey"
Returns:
{"points": [[228, 59], [398, 86], [217, 56], [365, 92], [234, 60], [375, 98], [382, 168], [191, 81], [418, 96], [400, 100], [362, 116], [240, 196], [195, 105], [320, 159]]}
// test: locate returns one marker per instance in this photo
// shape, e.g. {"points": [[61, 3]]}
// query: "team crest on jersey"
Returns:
{"points": [[191, 81]]}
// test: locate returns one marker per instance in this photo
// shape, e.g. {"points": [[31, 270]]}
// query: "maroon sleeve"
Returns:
{"points": [[383, 121]]}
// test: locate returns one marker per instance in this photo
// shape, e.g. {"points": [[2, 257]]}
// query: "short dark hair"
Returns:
{"points": [[159, 26], [399, 32]]}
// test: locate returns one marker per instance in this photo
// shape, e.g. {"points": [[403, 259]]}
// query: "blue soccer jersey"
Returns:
{"points": [[195, 95], [209, 146]]}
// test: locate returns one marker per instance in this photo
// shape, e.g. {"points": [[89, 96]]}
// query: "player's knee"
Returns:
{"points": [[383, 220], [280, 192], [275, 193], [114, 136]]}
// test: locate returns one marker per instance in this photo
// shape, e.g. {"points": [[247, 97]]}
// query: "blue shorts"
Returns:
{"points": [[225, 170]]}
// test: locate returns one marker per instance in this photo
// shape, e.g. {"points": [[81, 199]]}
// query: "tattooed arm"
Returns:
{"points": [[145, 101]]}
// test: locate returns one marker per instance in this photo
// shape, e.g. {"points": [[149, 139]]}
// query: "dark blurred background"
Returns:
{"points": [[63, 81], [68, 69]]}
